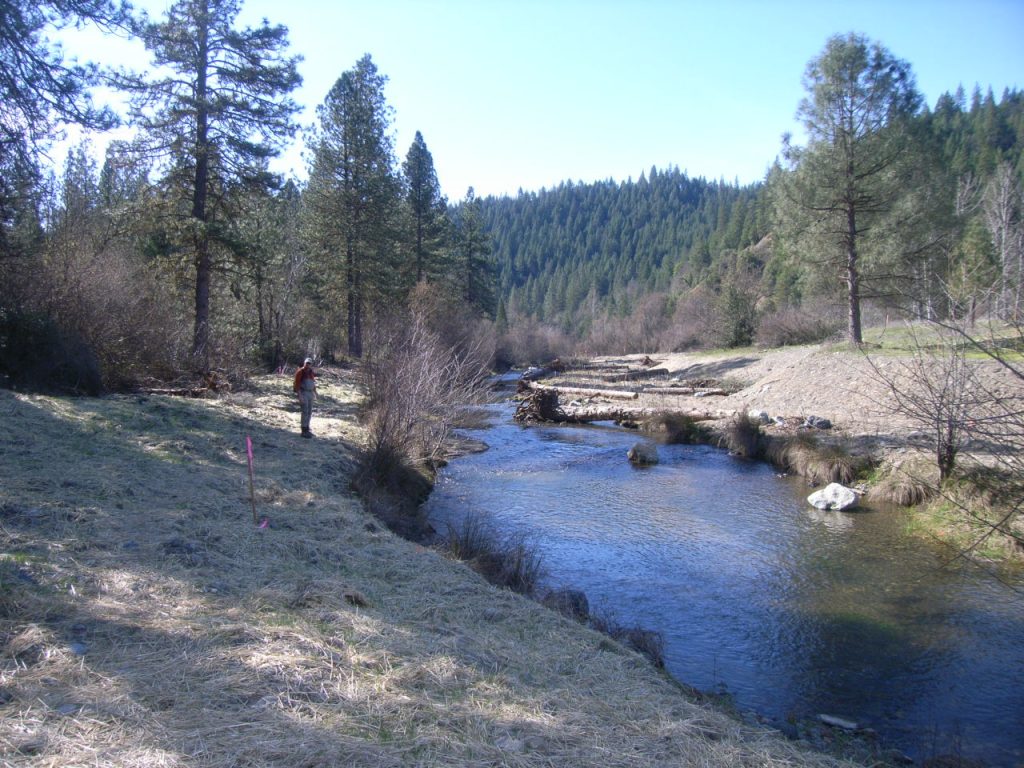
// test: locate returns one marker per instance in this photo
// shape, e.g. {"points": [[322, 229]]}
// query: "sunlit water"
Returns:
{"points": [[791, 611]]}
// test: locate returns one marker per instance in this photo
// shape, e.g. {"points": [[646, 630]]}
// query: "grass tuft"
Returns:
{"points": [[678, 428], [803, 454], [743, 438], [513, 562], [646, 642]]}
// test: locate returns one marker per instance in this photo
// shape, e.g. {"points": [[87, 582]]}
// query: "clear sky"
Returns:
{"points": [[525, 94]]}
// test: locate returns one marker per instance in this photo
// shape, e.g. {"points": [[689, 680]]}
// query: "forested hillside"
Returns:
{"points": [[608, 243], [668, 260], [180, 252]]}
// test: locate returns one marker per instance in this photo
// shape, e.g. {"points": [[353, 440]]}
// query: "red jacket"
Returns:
{"points": [[301, 375]]}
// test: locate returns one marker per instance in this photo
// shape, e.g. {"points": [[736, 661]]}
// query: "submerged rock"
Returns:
{"points": [[834, 496], [643, 454]]}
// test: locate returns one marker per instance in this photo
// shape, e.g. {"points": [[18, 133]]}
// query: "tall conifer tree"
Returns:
{"points": [[218, 114], [474, 270], [855, 167], [354, 194], [428, 211]]}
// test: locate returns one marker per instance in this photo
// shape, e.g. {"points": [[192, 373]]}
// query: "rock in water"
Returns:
{"points": [[838, 722], [643, 454], [833, 496]]}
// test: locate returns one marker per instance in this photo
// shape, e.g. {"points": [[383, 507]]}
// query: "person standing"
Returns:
{"points": [[305, 389]]}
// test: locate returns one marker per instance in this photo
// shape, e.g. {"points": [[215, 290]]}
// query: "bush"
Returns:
{"points": [[36, 353], [790, 326], [415, 386], [529, 342]]}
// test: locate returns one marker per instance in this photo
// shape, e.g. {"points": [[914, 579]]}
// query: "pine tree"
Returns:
{"points": [[474, 270], [428, 212], [215, 118], [854, 169], [354, 194]]}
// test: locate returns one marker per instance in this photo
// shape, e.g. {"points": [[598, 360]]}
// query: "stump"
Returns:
{"points": [[539, 405]]}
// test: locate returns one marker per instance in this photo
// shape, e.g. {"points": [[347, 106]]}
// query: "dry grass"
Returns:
{"points": [[803, 454], [742, 437], [908, 481], [145, 621]]}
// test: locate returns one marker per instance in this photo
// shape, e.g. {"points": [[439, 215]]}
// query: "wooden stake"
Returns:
{"points": [[252, 482]]}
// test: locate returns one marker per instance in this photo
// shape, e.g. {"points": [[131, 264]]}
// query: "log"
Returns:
{"points": [[643, 373], [613, 394], [698, 391], [177, 392], [541, 405], [583, 414]]}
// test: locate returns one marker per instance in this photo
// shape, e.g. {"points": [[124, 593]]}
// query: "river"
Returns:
{"points": [[789, 611]]}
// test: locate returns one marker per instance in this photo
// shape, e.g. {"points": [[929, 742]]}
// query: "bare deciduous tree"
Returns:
{"points": [[974, 409], [1001, 207]]}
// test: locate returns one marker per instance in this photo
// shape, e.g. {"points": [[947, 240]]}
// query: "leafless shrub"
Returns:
{"points": [[933, 388], [976, 420], [692, 324], [529, 342], [795, 325], [640, 330], [458, 326], [415, 387]]}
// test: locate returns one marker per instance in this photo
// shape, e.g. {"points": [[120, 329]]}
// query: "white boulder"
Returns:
{"points": [[834, 496]]}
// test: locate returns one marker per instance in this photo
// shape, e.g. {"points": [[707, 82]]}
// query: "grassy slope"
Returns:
{"points": [[145, 621]]}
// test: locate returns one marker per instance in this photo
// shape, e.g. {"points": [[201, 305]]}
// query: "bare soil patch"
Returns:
{"points": [[824, 380]]}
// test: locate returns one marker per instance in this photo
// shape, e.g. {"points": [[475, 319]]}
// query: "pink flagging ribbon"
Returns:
{"points": [[248, 448]]}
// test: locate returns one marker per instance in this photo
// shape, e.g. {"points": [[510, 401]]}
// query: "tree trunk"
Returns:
{"points": [[201, 239], [853, 277], [611, 394]]}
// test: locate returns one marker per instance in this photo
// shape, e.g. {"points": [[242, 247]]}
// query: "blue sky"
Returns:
{"points": [[526, 94]]}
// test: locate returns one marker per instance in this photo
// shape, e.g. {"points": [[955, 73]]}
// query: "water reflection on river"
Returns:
{"points": [[794, 612]]}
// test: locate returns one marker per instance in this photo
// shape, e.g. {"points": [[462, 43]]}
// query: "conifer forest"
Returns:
{"points": [[179, 252]]}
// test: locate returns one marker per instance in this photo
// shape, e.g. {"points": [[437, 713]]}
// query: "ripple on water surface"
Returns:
{"points": [[792, 610]]}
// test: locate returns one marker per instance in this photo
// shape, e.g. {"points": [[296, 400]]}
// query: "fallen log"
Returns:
{"points": [[176, 392], [613, 394], [584, 414], [696, 391], [644, 373]]}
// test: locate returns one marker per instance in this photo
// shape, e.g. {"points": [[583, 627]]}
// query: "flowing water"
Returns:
{"points": [[790, 611]]}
